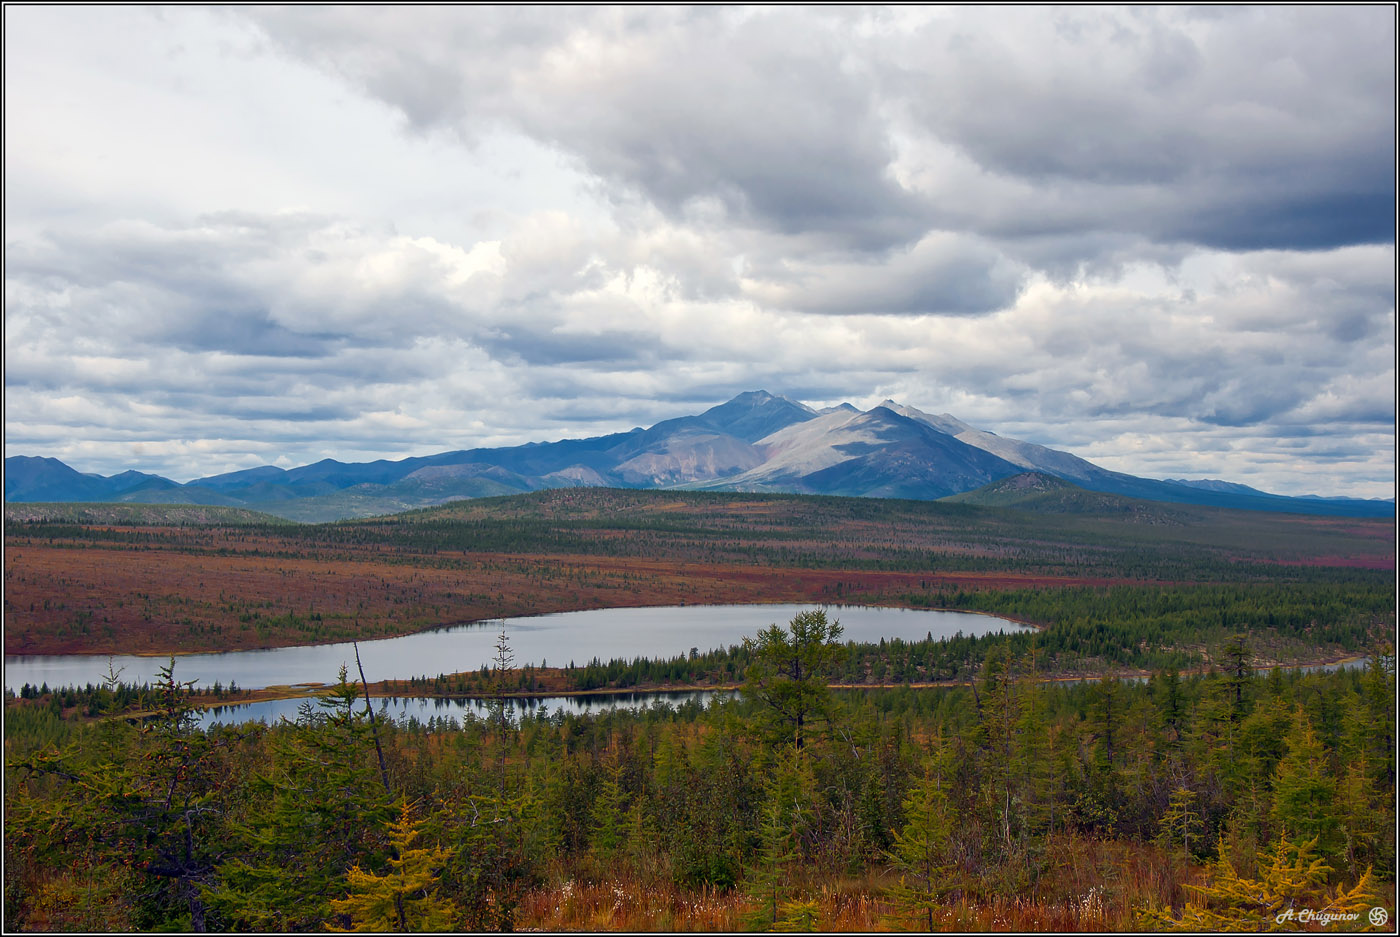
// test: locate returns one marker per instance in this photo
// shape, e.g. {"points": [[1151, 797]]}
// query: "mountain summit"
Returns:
{"points": [[753, 415], [755, 442]]}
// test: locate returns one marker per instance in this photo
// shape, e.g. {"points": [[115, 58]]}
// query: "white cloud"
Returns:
{"points": [[1150, 236]]}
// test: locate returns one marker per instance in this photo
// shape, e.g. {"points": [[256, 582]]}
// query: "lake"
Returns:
{"points": [[555, 640]]}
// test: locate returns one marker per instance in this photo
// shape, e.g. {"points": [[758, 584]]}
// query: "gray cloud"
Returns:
{"points": [[265, 286], [1262, 127], [942, 274], [750, 111], [525, 347]]}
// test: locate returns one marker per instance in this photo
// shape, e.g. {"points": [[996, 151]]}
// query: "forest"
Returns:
{"points": [[1149, 757], [1202, 801]]}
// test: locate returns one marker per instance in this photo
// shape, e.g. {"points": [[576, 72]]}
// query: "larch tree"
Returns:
{"points": [[789, 673], [1182, 821], [922, 853], [1237, 666], [766, 881], [404, 898], [995, 736], [140, 807], [1292, 879], [608, 816]]}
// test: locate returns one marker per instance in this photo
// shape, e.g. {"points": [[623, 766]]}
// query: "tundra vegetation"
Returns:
{"points": [[132, 586], [837, 791]]}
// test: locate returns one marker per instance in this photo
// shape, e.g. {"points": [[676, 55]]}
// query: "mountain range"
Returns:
{"points": [[756, 442]]}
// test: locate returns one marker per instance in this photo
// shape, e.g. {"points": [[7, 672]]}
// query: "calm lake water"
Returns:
{"points": [[454, 710], [556, 640]]}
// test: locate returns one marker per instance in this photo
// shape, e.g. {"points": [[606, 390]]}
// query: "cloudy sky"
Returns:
{"points": [[1162, 239]]}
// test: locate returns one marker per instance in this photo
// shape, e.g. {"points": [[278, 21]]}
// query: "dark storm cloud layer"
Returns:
{"points": [[1269, 127], [1160, 237], [1265, 127]]}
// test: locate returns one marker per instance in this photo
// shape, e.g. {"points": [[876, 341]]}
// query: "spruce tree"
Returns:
{"points": [[1304, 804], [321, 807]]}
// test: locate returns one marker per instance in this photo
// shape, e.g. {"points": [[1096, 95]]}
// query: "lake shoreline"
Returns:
{"points": [[391, 689], [652, 633], [396, 690], [480, 622]]}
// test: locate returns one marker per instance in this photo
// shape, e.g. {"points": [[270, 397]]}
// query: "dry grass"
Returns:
{"points": [[613, 905], [80, 898], [1089, 885]]}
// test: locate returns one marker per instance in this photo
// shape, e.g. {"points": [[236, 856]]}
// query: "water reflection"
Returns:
{"points": [[455, 710]]}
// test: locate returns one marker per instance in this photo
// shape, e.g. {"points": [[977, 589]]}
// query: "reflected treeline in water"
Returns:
{"points": [[454, 711]]}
